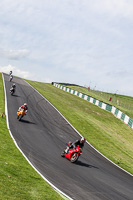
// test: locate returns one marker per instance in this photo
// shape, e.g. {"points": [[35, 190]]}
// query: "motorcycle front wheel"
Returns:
{"points": [[74, 158], [20, 117], [11, 92], [62, 153]]}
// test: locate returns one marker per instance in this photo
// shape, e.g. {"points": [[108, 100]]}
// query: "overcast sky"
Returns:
{"points": [[85, 42]]}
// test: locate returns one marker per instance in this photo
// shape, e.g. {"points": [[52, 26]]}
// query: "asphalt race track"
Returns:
{"points": [[43, 134]]}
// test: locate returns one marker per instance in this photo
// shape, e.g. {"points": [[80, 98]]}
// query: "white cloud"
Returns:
{"points": [[14, 54], [119, 8], [15, 70], [24, 74], [74, 40]]}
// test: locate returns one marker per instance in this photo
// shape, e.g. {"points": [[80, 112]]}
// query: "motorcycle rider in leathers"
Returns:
{"points": [[13, 87], [25, 107], [76, 143]]}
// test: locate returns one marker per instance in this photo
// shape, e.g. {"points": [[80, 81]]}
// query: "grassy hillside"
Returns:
{"points": [[105, 132], [18, 180]]}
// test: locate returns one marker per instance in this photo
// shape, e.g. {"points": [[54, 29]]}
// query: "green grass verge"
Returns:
{"points": [[104, 131], [18, 180]]}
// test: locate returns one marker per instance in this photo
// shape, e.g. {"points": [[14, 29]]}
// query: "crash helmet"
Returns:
{"points": [[13, 85], [25, 104], [82, 140]]}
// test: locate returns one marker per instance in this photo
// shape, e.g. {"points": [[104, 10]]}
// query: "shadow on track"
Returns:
{"points": [[26, 121], [14, 95], [85, 164]]}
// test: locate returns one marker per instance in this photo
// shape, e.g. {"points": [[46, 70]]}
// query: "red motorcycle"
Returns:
{"points": [[73, 153]]}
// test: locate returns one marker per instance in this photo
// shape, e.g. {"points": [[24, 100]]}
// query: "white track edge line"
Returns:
{"points": [[6, 113]]}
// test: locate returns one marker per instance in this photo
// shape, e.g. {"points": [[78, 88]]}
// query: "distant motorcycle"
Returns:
{"points": [[10, 73], [12, 90], [20, 114], [73, 153], [10, 79]]}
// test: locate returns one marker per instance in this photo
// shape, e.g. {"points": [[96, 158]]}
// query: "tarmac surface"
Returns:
{"points": [[42, 135]]}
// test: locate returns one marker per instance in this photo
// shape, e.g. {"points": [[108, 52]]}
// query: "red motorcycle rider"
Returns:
{"points": [[75, 144], [73, 150]]}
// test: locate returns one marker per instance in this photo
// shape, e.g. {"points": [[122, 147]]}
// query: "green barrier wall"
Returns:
{"points": [[117, 113]]}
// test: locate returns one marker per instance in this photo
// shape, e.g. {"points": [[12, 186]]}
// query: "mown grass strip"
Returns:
{"points": [[18, 180], [105, 132]]}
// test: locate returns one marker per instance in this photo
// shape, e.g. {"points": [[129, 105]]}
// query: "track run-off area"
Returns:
{"points": [[41, 136]]}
